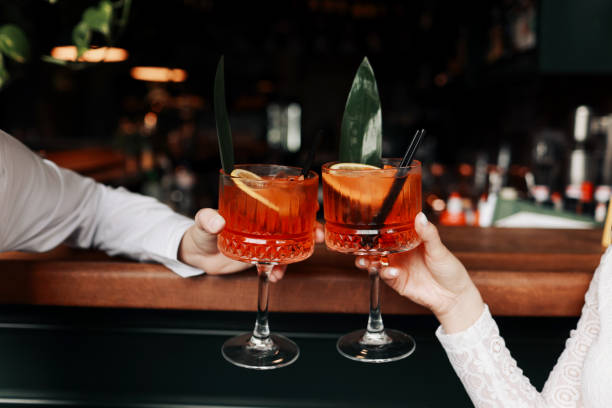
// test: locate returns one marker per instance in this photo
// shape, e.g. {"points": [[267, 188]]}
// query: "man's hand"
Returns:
{"points": [[198, 247]]}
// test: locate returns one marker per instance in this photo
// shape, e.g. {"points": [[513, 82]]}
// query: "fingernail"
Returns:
{"points": [[391, 272], [216, 222], [362, 262], [422, 219]]}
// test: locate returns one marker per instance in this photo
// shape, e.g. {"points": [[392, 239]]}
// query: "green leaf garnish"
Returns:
{"points": [[13, 43], [224, 133], [361, 134]]}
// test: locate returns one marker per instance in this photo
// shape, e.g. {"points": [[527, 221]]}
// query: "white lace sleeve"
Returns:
{"points": [[490, 374]]}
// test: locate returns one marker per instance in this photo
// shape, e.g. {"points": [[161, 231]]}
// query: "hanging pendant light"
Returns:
{"points": [[94, 55], [158, 74]]}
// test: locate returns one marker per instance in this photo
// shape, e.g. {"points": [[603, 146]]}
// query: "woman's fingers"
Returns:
{"points": [[390, 273], [434, 248], [277, 273], [362, 262], [208, 224], [395, 277], [319, 233]]}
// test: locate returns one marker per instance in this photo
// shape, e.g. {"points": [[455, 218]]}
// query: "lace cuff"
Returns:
{"points": [[468, 338]]}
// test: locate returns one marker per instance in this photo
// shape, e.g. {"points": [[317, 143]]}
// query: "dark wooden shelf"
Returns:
{"points": [[101, 164]]}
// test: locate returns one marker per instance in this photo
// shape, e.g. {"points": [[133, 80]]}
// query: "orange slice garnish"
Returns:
{"points": [[353, 166], [242, 178], [368, 189]]}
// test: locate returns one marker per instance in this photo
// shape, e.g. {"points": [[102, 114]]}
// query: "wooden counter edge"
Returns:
{"points": [[325, 289]]}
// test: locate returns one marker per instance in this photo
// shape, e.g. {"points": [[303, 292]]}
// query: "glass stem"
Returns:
{"points": [[375, 322], [262, 330]]}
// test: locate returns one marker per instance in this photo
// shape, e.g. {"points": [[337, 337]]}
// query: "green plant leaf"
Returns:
{"points": [[52, 60], [4, 75], [14, 43], [125, 15], [81, 35], [361, 133], [224, 133], [99, 18]]}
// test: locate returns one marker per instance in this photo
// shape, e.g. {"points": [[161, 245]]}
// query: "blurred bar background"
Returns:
{"points": [[513, 94], [515, 98]]}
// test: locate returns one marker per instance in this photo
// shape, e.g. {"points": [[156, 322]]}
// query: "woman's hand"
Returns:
{"points": [[432, 276], [198, 247]]}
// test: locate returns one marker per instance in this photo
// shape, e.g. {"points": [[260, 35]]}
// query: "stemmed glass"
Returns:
{"points": [[270, 214], [356, 222]]}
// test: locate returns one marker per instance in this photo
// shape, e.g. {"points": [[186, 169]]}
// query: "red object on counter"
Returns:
{"points": [[453, 215], [557, 201], [586, 190]]}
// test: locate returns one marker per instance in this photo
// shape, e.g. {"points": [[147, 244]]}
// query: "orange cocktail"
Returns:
{"points": [[268, 219], [353, 201], [370, 211], [270, 213]]}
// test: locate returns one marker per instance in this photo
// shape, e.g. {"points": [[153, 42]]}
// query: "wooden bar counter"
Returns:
{"points": [[520, 272]]}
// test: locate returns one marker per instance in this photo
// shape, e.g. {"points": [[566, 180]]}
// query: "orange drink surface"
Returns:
{"points": [[353, 200], [269, 212]]}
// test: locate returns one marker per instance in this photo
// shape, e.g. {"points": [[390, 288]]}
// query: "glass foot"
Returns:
{"points": [[249, 352], [389, 345]]}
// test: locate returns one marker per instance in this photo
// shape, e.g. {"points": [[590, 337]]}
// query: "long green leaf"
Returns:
{"points": [[14, 43], [361, 134], [224, 133]]}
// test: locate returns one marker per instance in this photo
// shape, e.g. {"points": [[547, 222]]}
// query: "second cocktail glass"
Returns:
{"points": [[270, 214], [356, 223]]}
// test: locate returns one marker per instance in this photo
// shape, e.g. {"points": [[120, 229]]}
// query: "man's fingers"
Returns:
{"points": [[209, 221], [434, 248]]}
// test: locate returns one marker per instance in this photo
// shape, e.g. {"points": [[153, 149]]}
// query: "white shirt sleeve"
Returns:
{"points": [[43, 205], [491, 377]]}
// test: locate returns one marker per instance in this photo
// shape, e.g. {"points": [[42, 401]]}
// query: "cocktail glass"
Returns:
{"points": [[270, 214], [354, 224]]}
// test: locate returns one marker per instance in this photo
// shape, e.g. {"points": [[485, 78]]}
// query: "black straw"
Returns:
{"points": [[414, 145], [400, 178], [311, 154]]}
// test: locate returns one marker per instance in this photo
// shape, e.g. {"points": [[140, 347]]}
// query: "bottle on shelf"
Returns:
{"points": [[453, 215], [557, 201], [541, 195], [485, 211], [471, 216], [578, 170], [586, 205], [572, 197], [602, 197]]}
